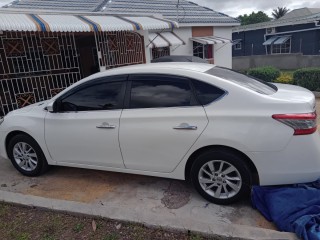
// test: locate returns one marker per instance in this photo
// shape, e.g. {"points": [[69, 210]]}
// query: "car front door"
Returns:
{"points": [[85, 128], [161, 122]]}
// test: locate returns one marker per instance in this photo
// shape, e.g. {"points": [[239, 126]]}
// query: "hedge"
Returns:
{"points": [[268, 74], [308, 78], [285, 78]]}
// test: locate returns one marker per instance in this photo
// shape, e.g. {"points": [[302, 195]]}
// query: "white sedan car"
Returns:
{"points": [[222, 130]]}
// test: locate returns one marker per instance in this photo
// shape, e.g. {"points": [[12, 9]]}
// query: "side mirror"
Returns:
{"points": [[51, 107]]}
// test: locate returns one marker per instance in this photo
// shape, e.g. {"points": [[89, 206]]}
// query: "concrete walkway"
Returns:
{"points": [[149, 200]]}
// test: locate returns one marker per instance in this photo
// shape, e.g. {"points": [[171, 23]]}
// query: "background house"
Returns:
{"points": [[194, 22], [296, 35], [45, 46]]}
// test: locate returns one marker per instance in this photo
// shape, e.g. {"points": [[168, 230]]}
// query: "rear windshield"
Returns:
{"points": [[251, 83]]}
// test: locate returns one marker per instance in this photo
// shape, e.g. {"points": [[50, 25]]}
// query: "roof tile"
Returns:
{"points": [[186, 12]]}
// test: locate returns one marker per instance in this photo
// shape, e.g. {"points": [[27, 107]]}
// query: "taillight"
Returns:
{"points": [[302, 124]]}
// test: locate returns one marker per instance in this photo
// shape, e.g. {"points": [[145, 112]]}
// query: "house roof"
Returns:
{"points": [[77, 23], [297, 16], [186, 13], [301, 12], [57, 5]]}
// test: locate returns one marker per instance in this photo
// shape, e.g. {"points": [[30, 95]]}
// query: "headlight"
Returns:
{"points": [[1, 120]]}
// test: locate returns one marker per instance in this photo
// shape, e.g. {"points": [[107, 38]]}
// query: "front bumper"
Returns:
{"points": [[3, 151]]}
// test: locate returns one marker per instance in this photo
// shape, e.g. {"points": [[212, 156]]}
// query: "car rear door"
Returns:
{"points": [[161, 121], [85, 130]]}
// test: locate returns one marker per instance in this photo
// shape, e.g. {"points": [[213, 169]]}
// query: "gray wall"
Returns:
{"points": [[284, 61]]}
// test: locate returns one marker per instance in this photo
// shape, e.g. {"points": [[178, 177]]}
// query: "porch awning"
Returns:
{"points": [[210, 40], [164, 39], [80, 23], [270, 40], [281, 40]]}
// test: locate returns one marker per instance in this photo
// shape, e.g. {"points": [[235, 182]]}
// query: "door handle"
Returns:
{"points": [[106, 125], [185, 126]]}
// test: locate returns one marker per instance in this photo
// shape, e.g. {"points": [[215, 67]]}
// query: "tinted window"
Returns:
{"points": [[243, 80], [160, 91], [207, 93], [104, 96]]}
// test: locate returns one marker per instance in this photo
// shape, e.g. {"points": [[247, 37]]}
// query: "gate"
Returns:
{"points": [[117, 49], [35, 66]]}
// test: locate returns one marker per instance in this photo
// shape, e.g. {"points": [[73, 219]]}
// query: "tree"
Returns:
{"points": [[253, 18], [279, 12]]}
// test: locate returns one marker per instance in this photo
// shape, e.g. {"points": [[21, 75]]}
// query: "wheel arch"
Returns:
{"points": [[12, 135], [247, 160]]}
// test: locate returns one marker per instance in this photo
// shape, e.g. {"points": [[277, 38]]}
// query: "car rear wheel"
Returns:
{"points": [[221, 177], [26, 155]]}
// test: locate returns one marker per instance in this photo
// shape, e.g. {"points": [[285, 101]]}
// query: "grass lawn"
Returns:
{"points": [[23, 223]]}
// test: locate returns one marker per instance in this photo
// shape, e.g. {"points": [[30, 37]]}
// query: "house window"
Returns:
{"points": [[238, 46], [281, 48], [202, 50], [160, 52]]}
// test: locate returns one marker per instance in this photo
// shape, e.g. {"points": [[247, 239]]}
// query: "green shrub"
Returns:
{"points": [[268, 74], [308, 78], [285, 78]]}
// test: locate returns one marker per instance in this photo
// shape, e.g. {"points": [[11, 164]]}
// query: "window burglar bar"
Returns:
{"points": [[117, 49], [35, 66], [160, 52]]}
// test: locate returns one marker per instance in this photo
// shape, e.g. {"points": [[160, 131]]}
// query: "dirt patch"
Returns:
{"points": [[21, 223], [74, 184], [176, 196]]}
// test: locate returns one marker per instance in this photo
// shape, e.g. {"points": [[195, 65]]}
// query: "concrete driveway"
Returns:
{"points": [[151, 200], [154, 201]]}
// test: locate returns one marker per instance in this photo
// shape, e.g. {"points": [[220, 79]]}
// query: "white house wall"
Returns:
{"points": [[223, 52], [145, 34], [185, 33]]}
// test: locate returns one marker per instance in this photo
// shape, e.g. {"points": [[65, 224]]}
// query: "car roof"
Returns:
{"points": [[153, 67], [179, 58]]}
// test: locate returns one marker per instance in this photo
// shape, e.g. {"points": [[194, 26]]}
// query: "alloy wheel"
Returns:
{"points": [[220, 179], [25, 156]]}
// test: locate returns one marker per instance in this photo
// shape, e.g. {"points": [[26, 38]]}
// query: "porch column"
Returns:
{"points": [[145, 34]]}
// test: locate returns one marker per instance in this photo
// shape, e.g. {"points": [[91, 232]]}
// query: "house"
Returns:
{"points": [[205, 32], [202, 31], [45, 46], [298, 32]]}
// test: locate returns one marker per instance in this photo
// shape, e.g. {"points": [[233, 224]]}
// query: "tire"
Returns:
{"points": [[27, 156], [208, 180]]}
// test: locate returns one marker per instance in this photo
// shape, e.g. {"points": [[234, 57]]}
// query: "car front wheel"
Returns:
{"points": [[26, 155], [221, 177]]}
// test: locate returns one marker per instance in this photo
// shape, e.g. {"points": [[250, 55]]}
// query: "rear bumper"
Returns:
{"points": [[299, 162], [3, 152]]}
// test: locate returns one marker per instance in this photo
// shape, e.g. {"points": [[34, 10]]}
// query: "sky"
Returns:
{"points": [[235, 8]]}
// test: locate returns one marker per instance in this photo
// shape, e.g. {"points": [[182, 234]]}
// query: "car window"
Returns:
{"points": [[154, 91], [243, 80], [103, 96], [206, 92]]}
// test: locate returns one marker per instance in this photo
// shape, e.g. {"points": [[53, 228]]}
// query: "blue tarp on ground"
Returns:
{"points": [[292, 208]]}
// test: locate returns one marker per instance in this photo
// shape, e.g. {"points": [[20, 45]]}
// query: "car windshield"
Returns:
{"points": [[251, 83]]}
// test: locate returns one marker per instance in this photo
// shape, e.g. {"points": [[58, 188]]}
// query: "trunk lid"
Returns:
{"points": [[294, 94]]}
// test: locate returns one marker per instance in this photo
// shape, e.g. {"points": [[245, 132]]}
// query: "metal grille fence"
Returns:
{"points": [[35, 66], [117, 49], [160, 52]]}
